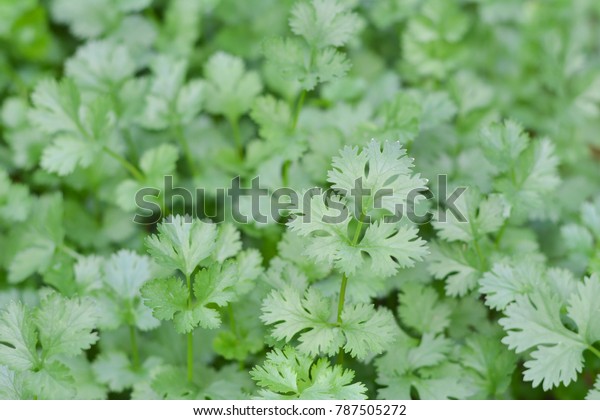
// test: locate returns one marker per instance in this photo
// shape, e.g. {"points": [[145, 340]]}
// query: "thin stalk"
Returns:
{"points": [[232, 323], [298, 108], [135, 172], [594, 350], [135, 354], [477, 248], [501, 233], [69, 251], [190, 335], [237, 137], [342, 298], [285, 169], [185, 146], [478, 251]]}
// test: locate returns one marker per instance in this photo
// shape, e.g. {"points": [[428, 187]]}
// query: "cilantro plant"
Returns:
{"points": [[299, 199]]}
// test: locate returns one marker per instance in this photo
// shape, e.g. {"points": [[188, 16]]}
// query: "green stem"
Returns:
{"points": [[475, 235], [69, 251], [285, 169], [479, 254], [298, 108], [237, 137], [190, 335], [594, 350], [135, 172], [501, 233], [342, 298], [232, 323], [135, 355], [185, 146], [344, 284]]}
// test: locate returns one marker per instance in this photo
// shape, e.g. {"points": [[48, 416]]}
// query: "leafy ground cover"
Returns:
{"points": [[119, 280]]}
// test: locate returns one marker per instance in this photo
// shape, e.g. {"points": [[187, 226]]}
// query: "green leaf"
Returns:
{"points": [[126, 272], [311, 318], [420, 364], [93, 18], [182, 243], [584, 309], [504, 143], [492, 363], [483, 216], [230, 89], [293, 60], [324, 23], [170, 101], [381, 169], [65, 325], [504, 283], [421, 308], [363, 331], [391, 247], [367, 330], [12, 386], [18, 338], [42, 236], [273, 117], [115, 370], [594, 394], [101, 66], [533, 322], [456, 265], [227, 244], [15, 201], [165, 297], [287, 374], [53, 382], [80, 129]]}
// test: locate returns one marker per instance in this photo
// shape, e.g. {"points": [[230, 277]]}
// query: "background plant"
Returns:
{"points": [[100, 98]]}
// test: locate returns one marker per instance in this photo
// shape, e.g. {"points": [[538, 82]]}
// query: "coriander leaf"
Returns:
{"points": [[165, 297], [293, 60], [594, 394], [125, 272], [18, 338], [421, 365], [182, 243], [114, 369], [12, 386], [533, 321], [310, 317], [367, 330], [65, 325], [492, 363], [287, 374], [230, 90], [324, 23], [504, 143], [483, 216], [101, 66], [273, 117], [53, 382], [584, 309], [40, 240], [170, 101], [504, 283], [421, 308], [380, 169], [227, 243], [456, 265], [391, 247]]}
